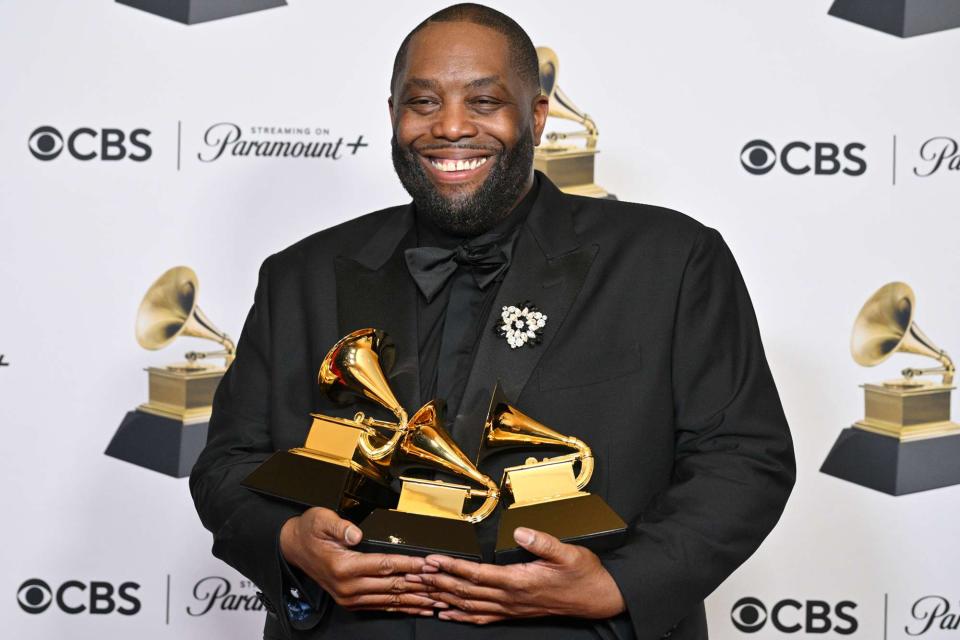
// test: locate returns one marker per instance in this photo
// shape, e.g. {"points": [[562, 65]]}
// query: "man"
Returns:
{"points": [[650, 353]]}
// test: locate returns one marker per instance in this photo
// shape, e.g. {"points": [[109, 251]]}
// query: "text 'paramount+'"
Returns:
{"points": [[227, 138]]}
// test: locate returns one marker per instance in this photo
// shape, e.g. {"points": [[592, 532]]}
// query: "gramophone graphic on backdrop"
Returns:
{"points": [[167, 432], [194, 11], [569, 166], [906, 441], [902, 18]]}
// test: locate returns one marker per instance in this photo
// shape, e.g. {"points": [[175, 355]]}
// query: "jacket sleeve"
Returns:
{"points": [[245, 525], [733, 455]]}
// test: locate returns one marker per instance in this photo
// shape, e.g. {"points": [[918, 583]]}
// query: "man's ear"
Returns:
{"points": [[541, 107], [393, 119]]}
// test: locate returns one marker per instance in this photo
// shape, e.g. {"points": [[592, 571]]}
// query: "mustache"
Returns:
{"points": [[471, 147]]}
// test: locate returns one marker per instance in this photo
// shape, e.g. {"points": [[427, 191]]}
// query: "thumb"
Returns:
{"points": [[542, 545], [327, 524]]}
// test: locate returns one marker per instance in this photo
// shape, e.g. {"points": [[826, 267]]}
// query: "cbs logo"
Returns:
{"points": [[46, 143], [798, 158], [73, 596], [750, 615]]}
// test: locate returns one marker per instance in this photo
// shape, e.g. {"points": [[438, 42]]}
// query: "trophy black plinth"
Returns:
{"points": [[585, 520], [902, 18], [893, 466], [194, 11], [315, 483], [388, 531], [160, 443]]}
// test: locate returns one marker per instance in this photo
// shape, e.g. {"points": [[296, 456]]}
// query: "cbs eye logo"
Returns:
{"points": [[34, 596], [759, 157], [748, 615], [46, 143]]}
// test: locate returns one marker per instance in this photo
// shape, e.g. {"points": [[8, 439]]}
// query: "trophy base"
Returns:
{"points": [[159, 443], [194, 11], [585, 520], [387, 531], [571, 169], [902, 18], [894, 466], [314, 483]]}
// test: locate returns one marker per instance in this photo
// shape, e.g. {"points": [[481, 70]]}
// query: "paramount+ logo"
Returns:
{"points": [[799, 158], [47, 143], [790, 616], [75, 597]]}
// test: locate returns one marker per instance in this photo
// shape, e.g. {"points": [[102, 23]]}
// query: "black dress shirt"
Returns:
{"points": [[450, 324]]}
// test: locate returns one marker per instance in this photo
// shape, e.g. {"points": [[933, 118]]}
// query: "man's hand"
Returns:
{"points": [[319, 541], [566, 580]]}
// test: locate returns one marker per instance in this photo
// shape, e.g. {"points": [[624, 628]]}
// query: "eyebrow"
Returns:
{"points": [[433, 85], [483, 82]]}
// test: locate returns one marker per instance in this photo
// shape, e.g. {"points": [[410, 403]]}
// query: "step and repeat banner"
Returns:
{"points": [[822, 139]]}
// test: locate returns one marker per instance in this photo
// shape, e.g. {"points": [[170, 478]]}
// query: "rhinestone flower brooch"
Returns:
{"points": [[521, 324]]}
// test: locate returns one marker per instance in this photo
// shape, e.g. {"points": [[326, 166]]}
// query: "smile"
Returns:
{"points": [[449, 166]]}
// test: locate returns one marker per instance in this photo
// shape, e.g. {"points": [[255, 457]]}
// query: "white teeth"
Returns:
{"points": [[458, 165]]}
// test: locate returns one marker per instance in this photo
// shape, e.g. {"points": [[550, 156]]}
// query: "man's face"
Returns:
{"points": [[464, 127]]}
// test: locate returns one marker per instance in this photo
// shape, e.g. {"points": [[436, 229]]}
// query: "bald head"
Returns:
{"points": [[523, 55]]}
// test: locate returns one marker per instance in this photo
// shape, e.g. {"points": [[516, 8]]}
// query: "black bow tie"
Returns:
{"points": [[431, 267]]}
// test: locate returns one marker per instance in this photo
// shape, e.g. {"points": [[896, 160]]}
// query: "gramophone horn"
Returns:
{"points": [[428, 445], [561, 106], [506, 427], [355, 367], [886, 325], [169, 309]]}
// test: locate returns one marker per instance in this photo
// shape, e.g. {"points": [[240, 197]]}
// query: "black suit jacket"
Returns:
{"points": [[651, 354]]}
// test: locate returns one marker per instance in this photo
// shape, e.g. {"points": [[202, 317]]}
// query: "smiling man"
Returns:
{"points": [[651, 354]]}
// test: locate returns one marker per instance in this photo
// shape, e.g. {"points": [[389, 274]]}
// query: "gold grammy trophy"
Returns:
{"points": [[569, 166], [430, 515], [168, 432], [906, 441], [547, 494], [344, 463]]}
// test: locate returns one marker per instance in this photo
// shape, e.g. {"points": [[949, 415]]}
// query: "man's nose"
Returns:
{"points": [[453, 123]]}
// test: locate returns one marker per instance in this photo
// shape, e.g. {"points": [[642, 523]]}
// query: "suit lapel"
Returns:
{"points": [[374, 289], [549, 268]]}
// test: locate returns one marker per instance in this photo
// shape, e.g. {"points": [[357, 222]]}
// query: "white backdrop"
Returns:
{"points": [[677, 90]]}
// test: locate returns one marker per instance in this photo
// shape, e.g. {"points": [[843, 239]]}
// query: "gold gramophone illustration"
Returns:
{"points": [[569, 166], [547, 494], [430, 515], [344, 463], [906, 442], [167, 432]]}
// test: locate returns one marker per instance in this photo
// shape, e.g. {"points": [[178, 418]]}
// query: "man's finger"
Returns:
{"points": [[392, 584], [394, 600], [327, 524], [413, 611], [490, 575], [460, 616], [459, 587], [474, 607], [544, 545], [383, 564]]}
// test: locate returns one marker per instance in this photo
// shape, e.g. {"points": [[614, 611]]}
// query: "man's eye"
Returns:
{"points": [[486, 103]]}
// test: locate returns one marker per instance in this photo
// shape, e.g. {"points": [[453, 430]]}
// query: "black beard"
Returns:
{"points": [[470, 214]]}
